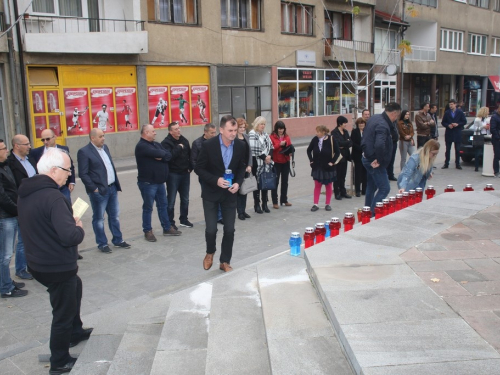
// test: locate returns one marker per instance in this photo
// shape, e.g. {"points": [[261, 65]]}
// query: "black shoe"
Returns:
{"points": [[338, 197], [80, 257], [15, 293], [247, 216], [257, 209], [328, 207], [105, 249], [444, 166], [459, 166], [24, 275], [84, 336], [62, 369], [347, 196], [393, 178], [241, 217], [358, 194], [174, 226], [186, 224], [314, 208], [476, 170], [265, 208], [123, 245], [221, 222], [18, 285]]}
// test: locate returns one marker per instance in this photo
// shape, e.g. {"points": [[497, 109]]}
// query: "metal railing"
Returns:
{"points": [[386, 57], [353, 44], [57, 24], [421, 53]]}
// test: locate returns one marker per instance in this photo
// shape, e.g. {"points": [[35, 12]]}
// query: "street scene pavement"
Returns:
{"points": [[126, 279]]}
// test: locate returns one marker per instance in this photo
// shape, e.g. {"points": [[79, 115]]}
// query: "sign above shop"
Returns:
{"points": [[305, 58], [495, 81]]}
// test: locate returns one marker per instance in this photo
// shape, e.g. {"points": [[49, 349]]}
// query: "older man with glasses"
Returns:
{"points": [[22, 167], [49, 141]]}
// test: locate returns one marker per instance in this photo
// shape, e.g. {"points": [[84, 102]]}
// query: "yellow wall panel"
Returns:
{"points": [[182, 75], [85, 75]]}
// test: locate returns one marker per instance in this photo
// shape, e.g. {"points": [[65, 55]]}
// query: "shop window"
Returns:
{"points": [[174, 11], [240, 14], [452, 40], [477, 44], [338, 25], [496, 46], [480, 3], [333, 98], [287, 99], [42, 77], [70, 8], [296, 18]]}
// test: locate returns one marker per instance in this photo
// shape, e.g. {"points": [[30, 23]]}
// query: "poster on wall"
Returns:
{"points": [[126, 108], [55, 124], [76, 104], [40, 125], [200, 105], [179, 96], [101, 102], [158, 106], [53, 101], [38, 102]]}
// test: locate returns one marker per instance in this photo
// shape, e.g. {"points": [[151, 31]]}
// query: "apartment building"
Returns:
{"points": [[455, 52], [192, 61]]}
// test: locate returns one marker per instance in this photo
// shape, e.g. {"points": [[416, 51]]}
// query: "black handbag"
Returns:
{"points": [[267, 180], [290, 149], [478, 140]]}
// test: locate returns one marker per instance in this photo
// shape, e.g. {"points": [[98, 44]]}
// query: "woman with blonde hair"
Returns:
{"points": [[481, 126], [418, 169], [261, 148], [323, 152]]}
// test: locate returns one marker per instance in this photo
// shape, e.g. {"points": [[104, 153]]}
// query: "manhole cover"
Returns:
{"points": [[456, 236]]}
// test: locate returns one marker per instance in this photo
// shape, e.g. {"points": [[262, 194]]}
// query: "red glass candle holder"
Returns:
{"points": [[348, 221], [411, 198], [418, 195], [392, 205], [366, 214], [335, 225], [359, 211], [309, 237], [489, 187], [399, 202], [406, 198], [468, 187], [320, 232], [430, 192], [449, 189], [385, 202], [379, 210]]}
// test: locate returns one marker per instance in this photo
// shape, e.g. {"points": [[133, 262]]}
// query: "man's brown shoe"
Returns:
{"points": [[208, 261], [275, 206], [150, 236], [225, 267]]}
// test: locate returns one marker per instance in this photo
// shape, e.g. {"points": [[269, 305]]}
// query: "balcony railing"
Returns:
{"points": [[421, 53], [55, 24], [353, 44], [386, 57]]}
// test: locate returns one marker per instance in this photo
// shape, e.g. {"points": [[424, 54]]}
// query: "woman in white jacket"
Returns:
{"points": [[481, 126]]}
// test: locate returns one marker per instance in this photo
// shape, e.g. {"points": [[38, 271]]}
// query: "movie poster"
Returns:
{"points": [[126, 108], [55, 124], [52, 101], [38, 102], [200, 105], [158, 106], [101, 101], [40, 125], [76, 105], [179, 102]]}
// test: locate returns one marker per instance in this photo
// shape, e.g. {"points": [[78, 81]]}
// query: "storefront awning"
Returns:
{"points": [[495, 81]]}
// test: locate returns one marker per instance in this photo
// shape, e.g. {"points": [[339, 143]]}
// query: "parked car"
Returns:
{"points": [[466, 149]]}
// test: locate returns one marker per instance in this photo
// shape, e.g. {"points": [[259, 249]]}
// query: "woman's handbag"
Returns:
{"points": [[478, 140], [267, 180], [249, 184]]}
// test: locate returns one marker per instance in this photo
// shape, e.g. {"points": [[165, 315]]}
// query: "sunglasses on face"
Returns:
{"points": [[46, 139]]}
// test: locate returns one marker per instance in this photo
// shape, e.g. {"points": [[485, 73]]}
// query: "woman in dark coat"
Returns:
{"points": [[241, 200], [322, 152], [357, 154], [341, 135]]}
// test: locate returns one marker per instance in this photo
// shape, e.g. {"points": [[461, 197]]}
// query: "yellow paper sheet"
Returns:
{"points": [[79, 207]]}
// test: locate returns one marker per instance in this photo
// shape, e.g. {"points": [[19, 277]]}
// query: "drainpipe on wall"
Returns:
{"points": [[402, 58], [12, 73]]}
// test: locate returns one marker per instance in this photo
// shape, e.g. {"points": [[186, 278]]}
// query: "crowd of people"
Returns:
{"points": [[37, 221]]}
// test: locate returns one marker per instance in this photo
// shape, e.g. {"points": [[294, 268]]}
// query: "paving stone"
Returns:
{"points": [[483, 263], [430, 246], [476, 367], [416, 342], [182, 362], [413, 255], [487, 324], [487, 247], [446, 286], [481, 288], [97, 355], [453, 254], [8, 368], [466, 275], [440, 265], [473, 303]]}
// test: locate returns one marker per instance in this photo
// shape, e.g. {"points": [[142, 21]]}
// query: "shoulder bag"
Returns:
{"points": [[267, 180], [478, 140], [248, 185]]}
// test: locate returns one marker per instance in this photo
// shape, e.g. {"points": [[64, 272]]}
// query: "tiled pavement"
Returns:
{"points": [[462, 266]]}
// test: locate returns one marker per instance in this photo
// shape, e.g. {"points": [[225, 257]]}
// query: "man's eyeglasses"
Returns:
{"points": [[24, 144], [46, 139], [64, 169]]}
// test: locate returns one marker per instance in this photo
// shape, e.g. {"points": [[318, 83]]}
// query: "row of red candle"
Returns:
{"points": [[386, 207]]}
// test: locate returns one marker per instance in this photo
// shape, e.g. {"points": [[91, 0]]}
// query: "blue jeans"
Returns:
{"points": [[20, 257], [178, 183], [377, 181], [153, 193], [65, 191], [106, 203], [8, 231]]}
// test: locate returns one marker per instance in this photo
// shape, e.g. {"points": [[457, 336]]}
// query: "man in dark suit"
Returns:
{"points": [[217, 155], [22, 166], [49, 140], [454, 121], [98, 174]]}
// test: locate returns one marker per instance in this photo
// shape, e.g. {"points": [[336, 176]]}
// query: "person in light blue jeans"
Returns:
{"points": [[377, 181], [418, 169]]}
